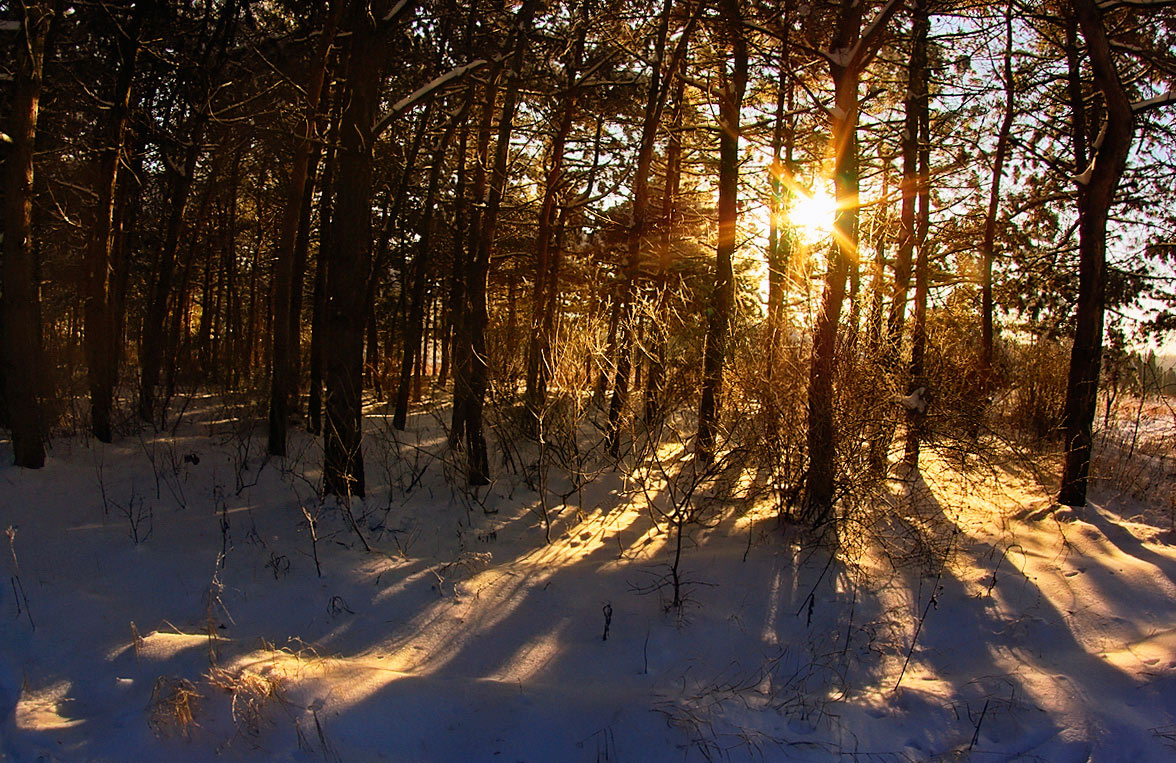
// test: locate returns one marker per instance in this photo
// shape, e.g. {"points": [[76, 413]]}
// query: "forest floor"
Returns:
{"points": [[179, 596]]}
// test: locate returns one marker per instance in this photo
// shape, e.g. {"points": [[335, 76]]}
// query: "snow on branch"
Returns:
{"points": [[397, 9], [437, 83], [858, 55], [871, 36], [1109, 5], [1154, 103]]}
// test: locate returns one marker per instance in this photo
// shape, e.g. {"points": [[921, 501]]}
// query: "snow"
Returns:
{"points": [[1045, 633], [1164, 99], [425, 91], [915, 401]]}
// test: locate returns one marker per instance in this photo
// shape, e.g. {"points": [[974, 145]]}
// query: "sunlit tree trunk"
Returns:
{"points": [[733, 85], [852, 54]]}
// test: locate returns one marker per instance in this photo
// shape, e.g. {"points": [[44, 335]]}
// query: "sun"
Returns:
{"points": [[812, 216]]}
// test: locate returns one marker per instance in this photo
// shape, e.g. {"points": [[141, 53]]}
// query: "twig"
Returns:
{"points": [[934, 600], [979, 723]]}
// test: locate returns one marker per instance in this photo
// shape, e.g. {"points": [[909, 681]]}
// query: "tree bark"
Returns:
{"points": [[540, 339], [21, 350], [916, 414], [988, 246], [475, 361], [846, 73], [314, 402], [1094, 202], [281, 367], [719, 315], [414, 328], [151, 349], [100, 342], [350, 256]]}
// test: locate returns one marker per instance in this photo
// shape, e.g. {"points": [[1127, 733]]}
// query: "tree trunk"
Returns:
{"points": [[654, 103], [476, 314], [100, 340], [463, 256], [283, 328], [719, 315], [916, 414], [20, 333], [151, 350], [656, 379], [988, 246], [781, 239], [822, 446], [350, 257], [540, 339], [1094, 202], [420, 270], [314, 403]]}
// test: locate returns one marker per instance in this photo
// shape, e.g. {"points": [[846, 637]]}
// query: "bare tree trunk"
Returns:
{"points": [[281, 370], [314, 402], [21, 351], [1094, 202], [476, 314], [904, 257], [988, 246], [414, 328], [463, 256], [152, 345], [100, 340], [733, 86], [822, 446], [350, 257]]}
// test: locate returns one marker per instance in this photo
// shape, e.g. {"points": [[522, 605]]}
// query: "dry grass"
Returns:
{"points": [[173, 706], [252, 693]]}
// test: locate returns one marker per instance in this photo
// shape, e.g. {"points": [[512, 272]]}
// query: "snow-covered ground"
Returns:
{"points": [[163, 601]]}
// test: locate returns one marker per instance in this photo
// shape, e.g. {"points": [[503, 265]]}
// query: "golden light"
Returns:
{"points": [[812, 216]]}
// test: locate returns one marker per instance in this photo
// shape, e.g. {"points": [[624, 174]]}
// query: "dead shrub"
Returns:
{"points": [[252, 693], [173, 706]]}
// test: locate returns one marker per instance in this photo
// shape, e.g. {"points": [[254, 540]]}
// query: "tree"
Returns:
{"points": [[350, 254], [474, 369], [732, 87], [849, 52], [1096, 194], [102, 350], [283, 379], [20, 309]]}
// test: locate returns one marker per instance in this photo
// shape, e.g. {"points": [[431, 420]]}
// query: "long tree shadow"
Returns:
{"points": [[1021, 678]]}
